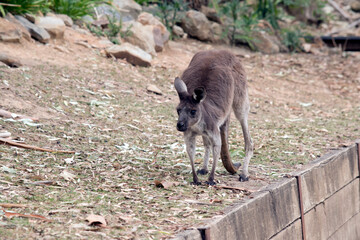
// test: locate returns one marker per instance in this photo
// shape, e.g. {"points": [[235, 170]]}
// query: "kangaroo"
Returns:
{"points": [[213, 83]]}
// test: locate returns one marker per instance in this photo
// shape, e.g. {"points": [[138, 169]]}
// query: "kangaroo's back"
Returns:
{"points": [[220, 73]]}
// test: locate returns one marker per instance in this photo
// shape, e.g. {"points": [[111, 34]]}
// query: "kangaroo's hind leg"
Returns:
{"points": [[241, 110]]}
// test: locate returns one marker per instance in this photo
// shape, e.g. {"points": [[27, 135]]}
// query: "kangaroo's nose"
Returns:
{"points": [[181, 126]]}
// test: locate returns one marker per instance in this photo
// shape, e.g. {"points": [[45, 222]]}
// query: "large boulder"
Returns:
{"points": [[263, 42], [130, 7], [66, 19], [217, 34], [24, 32], [124, 10], [36, 32], [140, 35], [131, 53], [161, 34], [196, 25], [211, 14], [9, 31], [53, 25]]}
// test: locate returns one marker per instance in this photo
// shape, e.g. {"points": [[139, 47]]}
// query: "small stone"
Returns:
{"points": [[131, 53], [178, 31], [355, 6], [154, 89]]}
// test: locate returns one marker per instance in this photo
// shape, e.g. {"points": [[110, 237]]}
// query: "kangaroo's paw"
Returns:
{"points": [[243, 178], [202, 171]]}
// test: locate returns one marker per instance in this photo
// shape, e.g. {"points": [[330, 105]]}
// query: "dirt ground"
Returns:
{"points": [[302, 105]]}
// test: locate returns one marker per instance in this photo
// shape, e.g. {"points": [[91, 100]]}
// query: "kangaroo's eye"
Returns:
{"points": [[193, 112], [178, 111]]}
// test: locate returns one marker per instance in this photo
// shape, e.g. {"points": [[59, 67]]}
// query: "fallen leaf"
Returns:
{"points": [[69, 160], [67, 176], [165, 184], [96, 220]]}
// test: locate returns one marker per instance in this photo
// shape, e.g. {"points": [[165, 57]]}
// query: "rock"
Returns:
{"points": [[24, 32], [178, 31], [217, 35], [9, 32], [211, 14], [30, 17], [124, 10], [141, 36], [36, 32], [196, 25], [66, 19], [262, 42], [105, 10], [87, 19], [131, 53], [355, 6], [161, 34], [307, 14], [154, 89], [10, 61], [53, 25], [130, 7]]}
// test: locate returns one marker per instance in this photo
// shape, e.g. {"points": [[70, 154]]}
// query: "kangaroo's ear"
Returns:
{"points": [[180, 87], [199, 94]]}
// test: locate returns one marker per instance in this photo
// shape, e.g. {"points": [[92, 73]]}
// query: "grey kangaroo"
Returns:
{"points": [[213, 83]]}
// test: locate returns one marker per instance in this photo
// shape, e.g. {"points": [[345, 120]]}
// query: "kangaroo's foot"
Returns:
{"points": [[202, 171], [243, 177]]}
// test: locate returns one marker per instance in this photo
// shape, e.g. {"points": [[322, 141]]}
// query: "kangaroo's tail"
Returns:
{"points": [[225, 155]]}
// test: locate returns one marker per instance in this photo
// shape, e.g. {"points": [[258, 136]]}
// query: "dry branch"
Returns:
{"points": [[234, 188], [12, 205], [339, 9], [21, 145]]}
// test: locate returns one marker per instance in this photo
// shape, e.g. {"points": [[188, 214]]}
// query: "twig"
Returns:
{"points": [[12, 205], [339, 9], [12, 143], [351, 25], [234, 188]]}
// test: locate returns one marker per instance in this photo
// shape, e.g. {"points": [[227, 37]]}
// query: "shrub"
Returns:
{"points": [[23, 6], [75, 8]]}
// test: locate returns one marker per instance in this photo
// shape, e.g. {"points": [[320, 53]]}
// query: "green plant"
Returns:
{"points": [[75, 8], [243, 21], [23, 6], [112, 31], [143, 2], [168, 10], [269, 10], [291, 39]]}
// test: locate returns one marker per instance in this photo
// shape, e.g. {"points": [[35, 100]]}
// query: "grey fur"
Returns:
{"points": [[213, 83]]}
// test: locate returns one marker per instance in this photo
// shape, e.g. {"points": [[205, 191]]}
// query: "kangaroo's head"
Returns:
{"points": [[189, 108]]}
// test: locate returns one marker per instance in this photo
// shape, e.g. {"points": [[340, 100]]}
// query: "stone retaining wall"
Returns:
{"points": [[319, 202]]}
